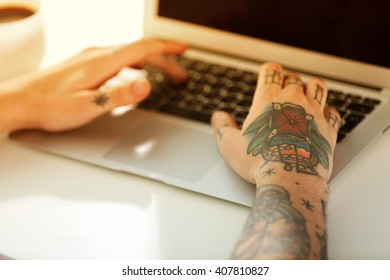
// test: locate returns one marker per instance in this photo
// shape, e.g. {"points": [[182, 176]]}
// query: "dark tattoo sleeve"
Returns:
{"points": [[274, 229], [286, 133]]}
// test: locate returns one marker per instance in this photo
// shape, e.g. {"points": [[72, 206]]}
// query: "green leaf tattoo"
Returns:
{"points": [[287, 134]]}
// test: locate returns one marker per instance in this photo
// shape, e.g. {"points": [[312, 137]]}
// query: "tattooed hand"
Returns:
{"points": [[66, 96], [286, 148]]}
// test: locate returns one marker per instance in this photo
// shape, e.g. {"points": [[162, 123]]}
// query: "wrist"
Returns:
{"points": [[14, 112], [275, 174]]}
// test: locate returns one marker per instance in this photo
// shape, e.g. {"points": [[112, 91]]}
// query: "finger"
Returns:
{"points": [[168, 66], [232, 144], [222, 122], [139, 51], [68, 111], [333, 117], [269, 82], [317, 92], [95, 65], [292, 79], [270, 78], [124, 94]]}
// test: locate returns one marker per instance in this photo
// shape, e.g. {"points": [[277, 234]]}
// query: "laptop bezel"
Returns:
{"points": [[260, 50]]}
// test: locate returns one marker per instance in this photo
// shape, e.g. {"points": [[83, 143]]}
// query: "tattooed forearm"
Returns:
{"points": [[307, 204], [274, 229]]}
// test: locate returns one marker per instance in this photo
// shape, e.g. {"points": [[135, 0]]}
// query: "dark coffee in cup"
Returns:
{"points": [[14, 13]]}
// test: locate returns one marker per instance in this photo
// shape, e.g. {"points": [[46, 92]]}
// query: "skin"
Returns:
{"points": [[287, 219], [66, 96]]}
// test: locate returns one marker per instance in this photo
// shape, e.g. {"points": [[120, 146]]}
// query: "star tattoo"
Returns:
{"points": [[100, 99], [269, 172], [307, 204]]}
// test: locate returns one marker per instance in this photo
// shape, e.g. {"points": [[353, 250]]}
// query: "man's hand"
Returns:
{"points": [[285, 147], [67, 95], [288, 123]]}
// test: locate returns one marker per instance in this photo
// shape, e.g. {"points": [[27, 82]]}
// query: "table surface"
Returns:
{"points": [[56, 208]]}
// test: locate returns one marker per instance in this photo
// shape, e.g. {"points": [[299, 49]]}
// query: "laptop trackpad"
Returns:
{"points": [[166, 149]]}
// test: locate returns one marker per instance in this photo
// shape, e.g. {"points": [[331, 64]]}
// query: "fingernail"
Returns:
{"points": [[216, 115], [141, 87]]}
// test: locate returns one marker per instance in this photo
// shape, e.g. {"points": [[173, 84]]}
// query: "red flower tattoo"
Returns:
{"points": [[286, 134], [291, 120]]}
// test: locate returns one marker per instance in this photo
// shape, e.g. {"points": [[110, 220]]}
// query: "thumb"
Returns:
{"points": [[128, 93], [226, 133], [222, 122], [232, 144]]}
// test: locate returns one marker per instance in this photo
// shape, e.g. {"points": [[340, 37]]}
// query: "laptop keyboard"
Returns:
{"points": [[212, 87]]}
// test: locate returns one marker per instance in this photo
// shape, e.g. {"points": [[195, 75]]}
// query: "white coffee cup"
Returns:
{"points": [[22, 43]]}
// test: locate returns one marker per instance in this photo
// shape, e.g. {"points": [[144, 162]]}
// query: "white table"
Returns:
{"points": [[56, 208]]}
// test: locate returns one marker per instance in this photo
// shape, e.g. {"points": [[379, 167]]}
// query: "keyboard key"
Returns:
{"points": [[210, 107], [228, 109], [351, 121], [338, 103], [229, 99], [362, 108], [241, 114], [372, 101], [245, 103], [193, 103], [354, 98], [335, 93]]}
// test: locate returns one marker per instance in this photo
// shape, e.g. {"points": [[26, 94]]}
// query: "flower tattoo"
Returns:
{"points": [[287, 134]]}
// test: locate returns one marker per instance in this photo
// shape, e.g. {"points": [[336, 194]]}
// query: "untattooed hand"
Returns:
{"points": [[66, 96]]}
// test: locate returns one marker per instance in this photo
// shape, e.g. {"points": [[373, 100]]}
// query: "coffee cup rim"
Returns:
{"points": [[23, 21], [35, 7]]}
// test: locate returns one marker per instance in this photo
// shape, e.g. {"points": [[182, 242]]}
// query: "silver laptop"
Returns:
{"points": [[168, 138]]}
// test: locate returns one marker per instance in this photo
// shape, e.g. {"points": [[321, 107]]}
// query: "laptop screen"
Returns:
{"points": [[353, 29]]}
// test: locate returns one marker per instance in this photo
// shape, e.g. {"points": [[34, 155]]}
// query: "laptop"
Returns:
{"points": [[168, 137]]}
